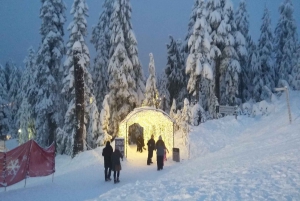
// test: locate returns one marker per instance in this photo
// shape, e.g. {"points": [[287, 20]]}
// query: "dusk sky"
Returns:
{"points": [[153, 21]]}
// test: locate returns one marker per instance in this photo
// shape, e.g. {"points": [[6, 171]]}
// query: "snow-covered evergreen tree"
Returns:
{"points": [[198, 65], [242, 26], [185, 114], [151, 94], [44, 94], [126, 84], [101, 41], [163, 91], [296, 72], [184, 120], [191, 23], [174, 70], [4, 104], [226, 40], [286, 43], [265, 75], [13, 91], [26, 120], [234, 47], [247, 72], [65, 135], [12, 75]]}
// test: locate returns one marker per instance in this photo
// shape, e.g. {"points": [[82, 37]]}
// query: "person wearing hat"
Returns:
{"points": [[160, 150], [106, 153], [116, 164], [151, 147]]}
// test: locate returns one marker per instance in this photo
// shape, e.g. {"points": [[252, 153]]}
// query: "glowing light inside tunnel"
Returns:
{"points": [[154, 121]]}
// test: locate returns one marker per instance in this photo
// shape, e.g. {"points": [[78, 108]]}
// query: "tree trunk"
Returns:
{"points": [[217, 79], [79, 103]]}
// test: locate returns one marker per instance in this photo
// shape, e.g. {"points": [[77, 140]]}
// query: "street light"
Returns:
{"points": [[287, 100]]}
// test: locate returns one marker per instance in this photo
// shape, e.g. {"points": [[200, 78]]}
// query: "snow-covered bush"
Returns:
{"points": [[198, 115]]}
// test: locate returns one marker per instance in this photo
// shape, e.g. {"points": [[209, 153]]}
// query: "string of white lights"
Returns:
{"points": [[154, 122]]}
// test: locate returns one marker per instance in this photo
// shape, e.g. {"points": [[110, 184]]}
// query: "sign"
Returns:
{"points": [[119, 144], [227, 109], [176, 156]]}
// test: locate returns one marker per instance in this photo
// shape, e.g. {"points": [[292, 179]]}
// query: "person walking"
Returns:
{"points": [[151, 148], [106, 152], [116, 164], [160, 149], [139, 144]]}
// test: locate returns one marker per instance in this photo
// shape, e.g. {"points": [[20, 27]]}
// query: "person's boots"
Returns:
{"points": [[105, 176], [118, 180]]}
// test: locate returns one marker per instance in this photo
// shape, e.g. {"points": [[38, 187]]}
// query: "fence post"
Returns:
{"points": [[4, 169], [288, 103]]}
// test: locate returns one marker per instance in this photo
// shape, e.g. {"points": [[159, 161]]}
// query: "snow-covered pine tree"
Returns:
{"points": [[185, 114], [4, 104], [12, 76], [198, 65], [296, 72], [65, 135], [173, 109], [44, 94], [151, 94], [101, 41], [266, 75], [247, 87], [191, 23], [26, 121], [126, 84], [242, 26], [184, 120], [175, 72], [234, 46], [286, 42], [223, 33], [163, 91], [13, 91]]}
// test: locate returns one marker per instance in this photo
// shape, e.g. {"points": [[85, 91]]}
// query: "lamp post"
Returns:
{"points": [[287, 100]]}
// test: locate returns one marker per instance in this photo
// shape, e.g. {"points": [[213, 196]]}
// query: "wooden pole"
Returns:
{"points": [[288, 103]]}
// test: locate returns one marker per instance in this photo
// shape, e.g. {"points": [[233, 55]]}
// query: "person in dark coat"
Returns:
{"points": [[142, 143], [138, 144], [151, 148], [160, 150], [116, 164], [106, 152]]}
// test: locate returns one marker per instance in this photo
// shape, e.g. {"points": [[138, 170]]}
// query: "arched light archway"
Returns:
{"points": [[154, 121]]}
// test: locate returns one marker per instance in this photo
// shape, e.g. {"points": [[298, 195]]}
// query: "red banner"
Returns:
{"points": [[42, 161], [27, 159]]}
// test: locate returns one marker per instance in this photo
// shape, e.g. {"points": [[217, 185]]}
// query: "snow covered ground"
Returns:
{"points": [[244, 159]]}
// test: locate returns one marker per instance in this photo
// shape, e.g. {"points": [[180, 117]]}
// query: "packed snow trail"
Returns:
{"points": [[251, 158]]}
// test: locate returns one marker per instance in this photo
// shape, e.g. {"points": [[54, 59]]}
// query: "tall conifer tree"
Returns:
{"points": [[286, 42], [126, 84], [101, 41], [44, 94], [151, 94]]}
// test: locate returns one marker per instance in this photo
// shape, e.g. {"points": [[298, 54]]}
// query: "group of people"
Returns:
{"points": [[112, 162], [112, 158], [161, 150]]}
